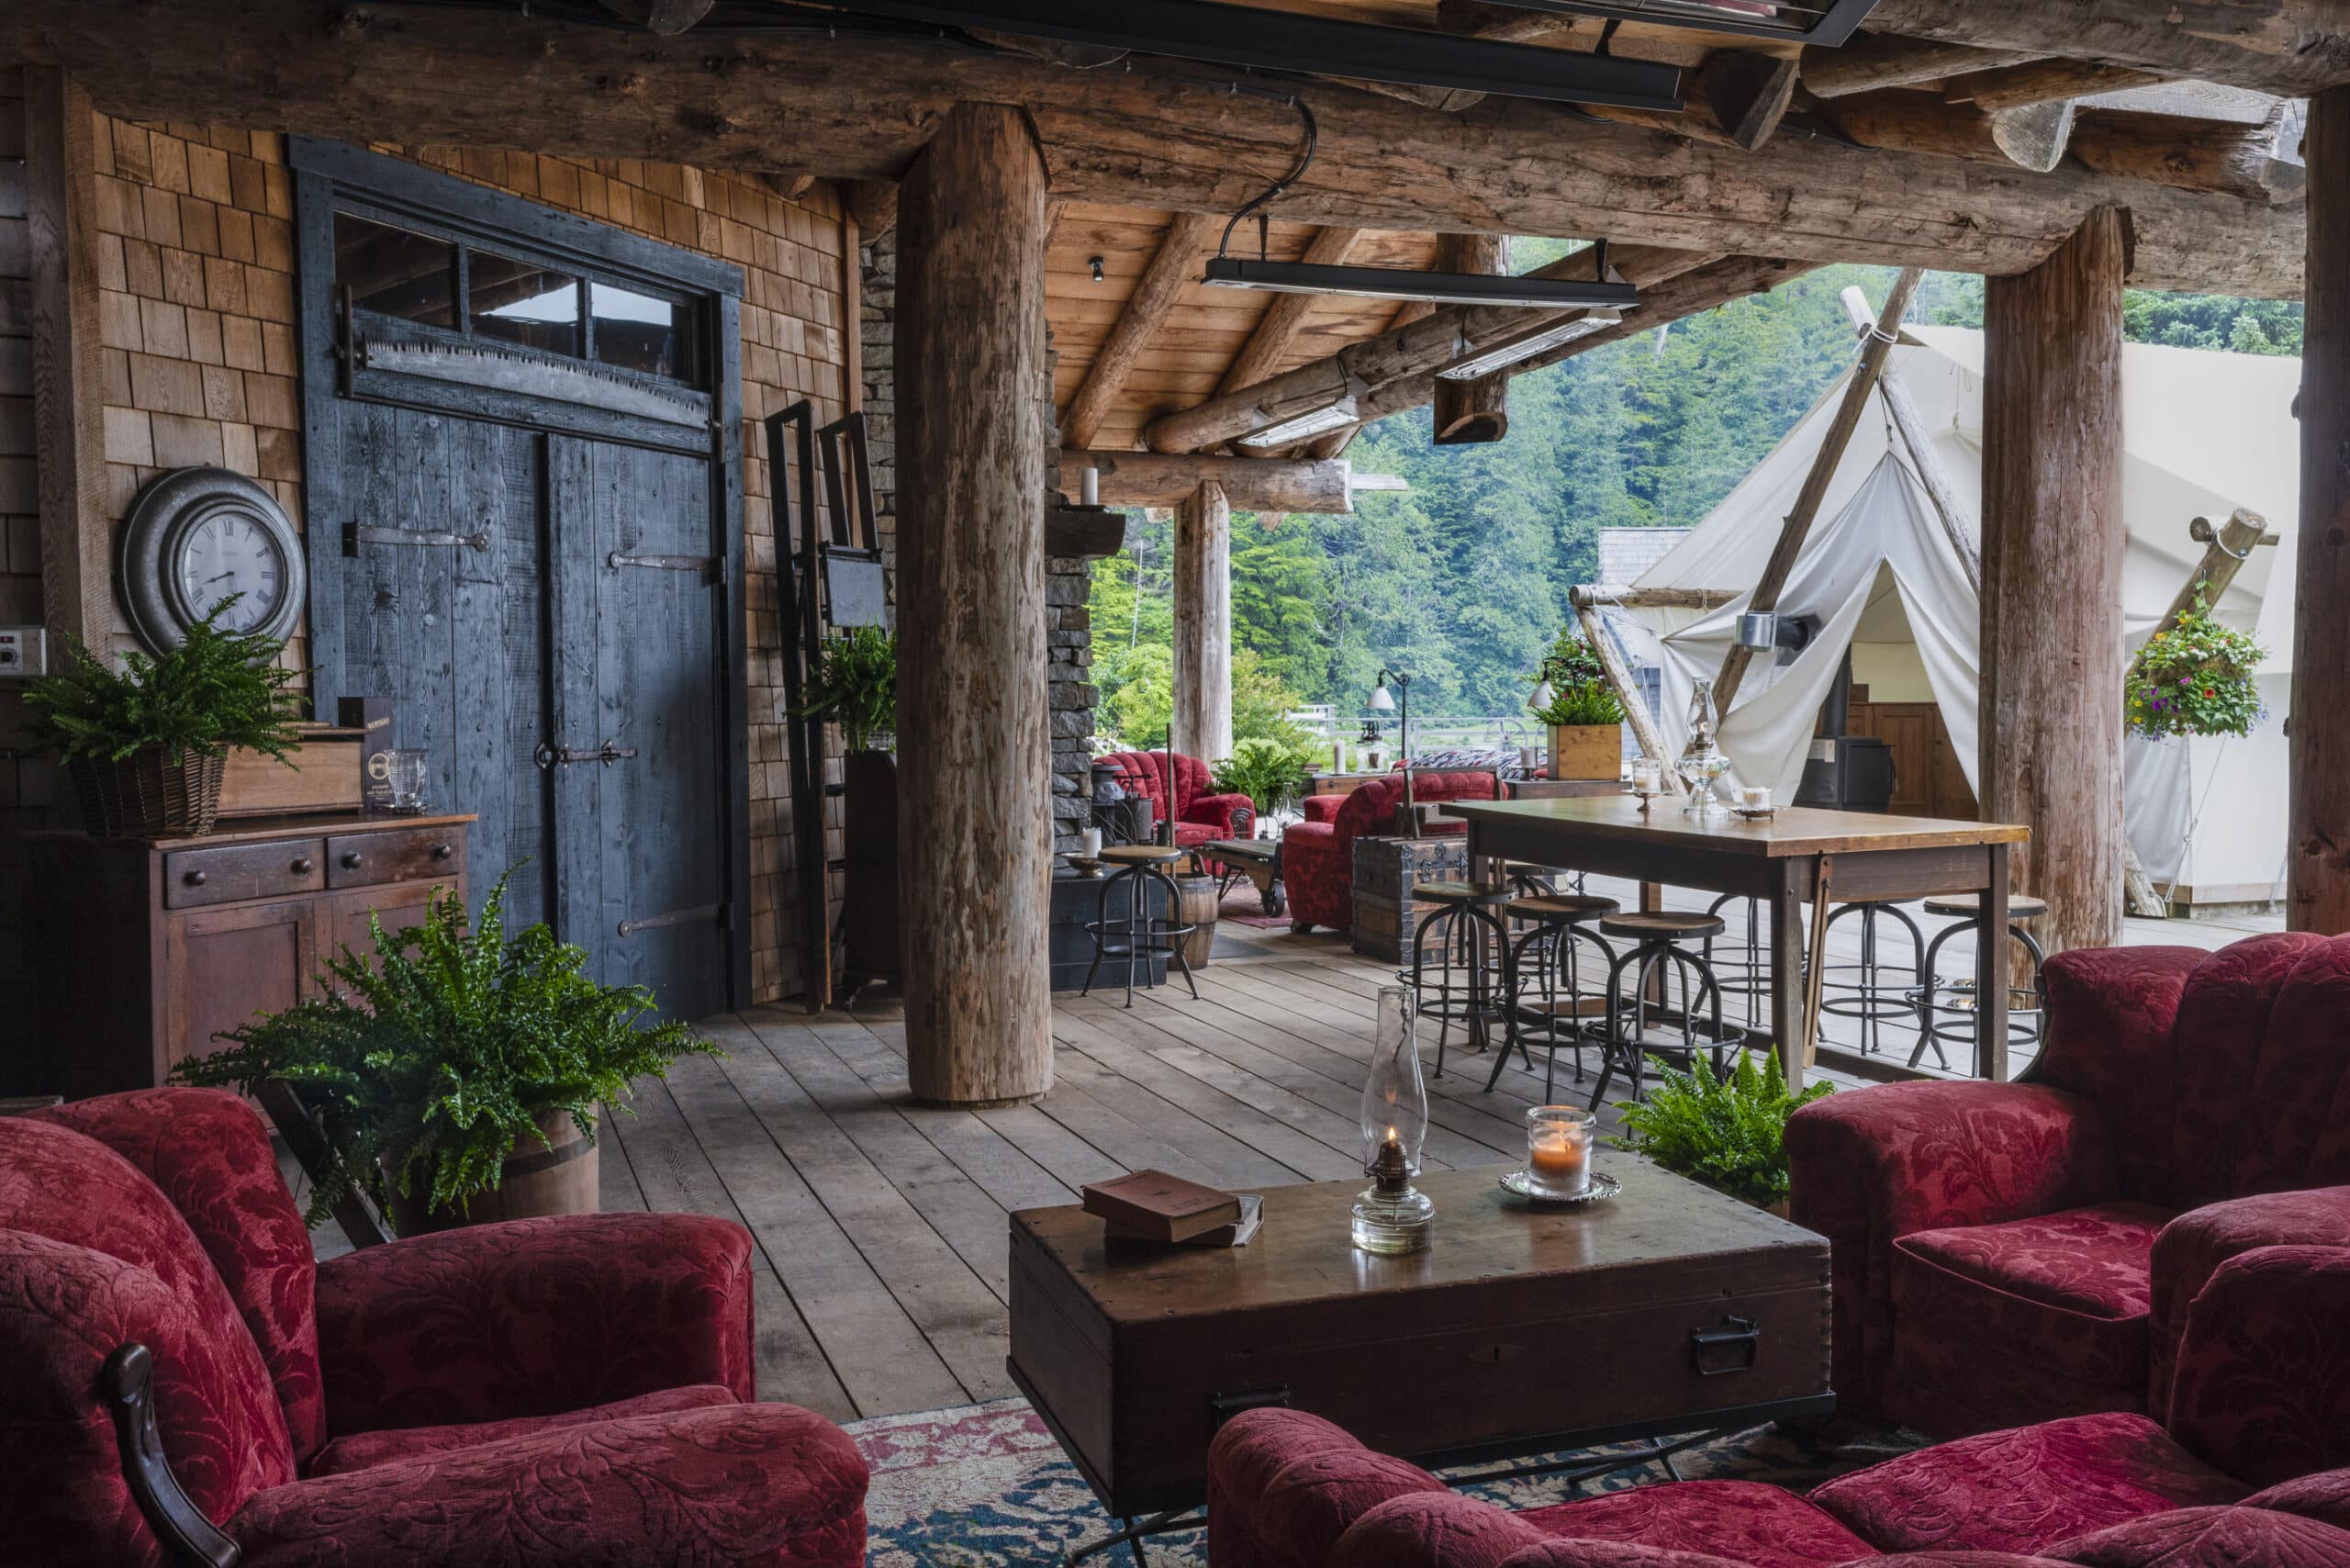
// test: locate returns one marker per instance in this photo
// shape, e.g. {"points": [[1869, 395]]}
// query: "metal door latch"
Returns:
{"points": [[1732, 1348], [708, 565], [355, 534], [549, 755]]}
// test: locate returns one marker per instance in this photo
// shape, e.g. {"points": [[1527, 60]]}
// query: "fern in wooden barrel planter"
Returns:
{"points": [[457, 1076], [145, 746]]}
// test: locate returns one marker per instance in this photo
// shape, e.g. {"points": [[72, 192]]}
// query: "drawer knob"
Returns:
{"points": [[351, 860], [442, 852], [195, 878], [302, 867]]}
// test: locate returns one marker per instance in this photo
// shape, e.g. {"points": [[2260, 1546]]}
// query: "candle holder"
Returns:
{"points": [[1558, 1152], [1392, 1217], [1648, 780]]}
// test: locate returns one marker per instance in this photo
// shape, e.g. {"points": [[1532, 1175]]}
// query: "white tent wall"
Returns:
{"points": [[2204, 433]]}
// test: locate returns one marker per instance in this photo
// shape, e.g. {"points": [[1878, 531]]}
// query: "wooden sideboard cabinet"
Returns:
{"points": [[142, 951]]}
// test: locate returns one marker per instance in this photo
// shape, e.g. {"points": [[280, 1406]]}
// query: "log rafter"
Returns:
{"points": [[1172, 267], [2293, 47], [1158, 135]]}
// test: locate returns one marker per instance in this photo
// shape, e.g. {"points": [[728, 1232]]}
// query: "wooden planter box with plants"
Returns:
{"points": [[1574, 698]]}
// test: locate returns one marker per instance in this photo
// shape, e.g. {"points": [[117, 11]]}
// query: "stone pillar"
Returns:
{"points": [[1204, 624], [975, 800], [2318, 864], [2053, 536]]}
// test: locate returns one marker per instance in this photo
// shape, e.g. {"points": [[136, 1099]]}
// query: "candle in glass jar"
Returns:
{"points": [[1648, 775], [1558, 1150], [1559, 1161], [1755, 797]]}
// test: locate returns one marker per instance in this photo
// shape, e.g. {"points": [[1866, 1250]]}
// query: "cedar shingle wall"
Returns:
{"points": [[200, 365]]}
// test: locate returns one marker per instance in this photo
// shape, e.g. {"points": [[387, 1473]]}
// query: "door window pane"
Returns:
{"points": [[393, 272], [640, 332], [523, 302]]}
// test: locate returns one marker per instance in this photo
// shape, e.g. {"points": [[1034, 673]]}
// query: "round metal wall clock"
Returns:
{"points": [[197, 537]]}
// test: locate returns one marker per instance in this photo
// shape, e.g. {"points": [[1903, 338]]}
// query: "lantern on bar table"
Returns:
{"points": [[1391, 1217]]}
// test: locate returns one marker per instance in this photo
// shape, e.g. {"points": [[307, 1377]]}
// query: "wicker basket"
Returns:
{"points": [[147, 795]]}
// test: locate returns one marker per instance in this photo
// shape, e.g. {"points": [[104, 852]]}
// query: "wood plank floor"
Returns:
{"points": [[881, 1225]]}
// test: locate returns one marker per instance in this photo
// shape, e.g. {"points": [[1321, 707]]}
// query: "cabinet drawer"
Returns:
{"points": [[236, 871], [394, 854]]}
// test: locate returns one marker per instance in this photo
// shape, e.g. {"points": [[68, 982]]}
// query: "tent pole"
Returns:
{"points": [[1636, 710], [1957, 525], [1782, 563]]}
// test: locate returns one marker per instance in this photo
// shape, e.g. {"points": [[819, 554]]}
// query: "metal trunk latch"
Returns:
{"points": [[1731, 1347]]}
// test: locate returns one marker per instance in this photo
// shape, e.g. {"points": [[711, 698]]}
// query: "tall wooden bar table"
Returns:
{"points": [[1800, 856]]}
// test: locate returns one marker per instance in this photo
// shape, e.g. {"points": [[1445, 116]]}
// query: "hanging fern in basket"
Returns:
{"points": [[2195, 678]]}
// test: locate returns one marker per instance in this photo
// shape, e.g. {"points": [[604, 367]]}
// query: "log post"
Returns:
{"points": [[1470, 413], [61, 214], [975, 793], [2053, 540], [1203, 622], [2318, 866]]}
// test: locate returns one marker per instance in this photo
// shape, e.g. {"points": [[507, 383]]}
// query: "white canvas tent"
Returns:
{"points": [[2204, 433]]}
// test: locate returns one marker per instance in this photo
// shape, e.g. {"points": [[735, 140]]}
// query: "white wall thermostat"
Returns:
{"points": [[24, 652]]}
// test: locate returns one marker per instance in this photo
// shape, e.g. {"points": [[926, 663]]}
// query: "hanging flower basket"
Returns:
{"points": [[2195, 678]]}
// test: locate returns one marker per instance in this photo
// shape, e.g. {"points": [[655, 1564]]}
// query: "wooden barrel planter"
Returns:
{"points": [[1196, 907], [557, 1177]]}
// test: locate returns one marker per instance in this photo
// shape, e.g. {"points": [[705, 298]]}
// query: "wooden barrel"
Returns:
{"points": [[538, 1179], [1197, 905]]}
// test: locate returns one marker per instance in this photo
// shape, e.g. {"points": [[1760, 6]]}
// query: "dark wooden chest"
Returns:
{"points": [[1670, 1309]]}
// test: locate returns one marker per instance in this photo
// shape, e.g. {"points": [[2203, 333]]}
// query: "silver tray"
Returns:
{"points": [[1602, 1187]]}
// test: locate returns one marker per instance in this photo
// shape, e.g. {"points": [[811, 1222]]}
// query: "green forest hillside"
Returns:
{"points": [[1462, 581]]}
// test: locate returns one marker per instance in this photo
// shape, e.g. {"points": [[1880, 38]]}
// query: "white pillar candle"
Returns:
{"points": [[1093, 843]]}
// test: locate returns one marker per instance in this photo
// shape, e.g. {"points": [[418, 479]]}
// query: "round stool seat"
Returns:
{"points": [[1663, 925], [1561, 908], [1969, 906], [1141, 854], [1462, 893]]}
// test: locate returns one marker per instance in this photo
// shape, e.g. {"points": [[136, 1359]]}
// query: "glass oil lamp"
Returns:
{"points": [[1392, 1217], [1702, 761]]}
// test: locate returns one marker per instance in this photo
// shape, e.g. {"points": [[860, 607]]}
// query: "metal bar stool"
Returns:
{"points": [[1951, 1021], [1656, 934], [1472, 958], [1867, 995], [1140, 867], [1746, 971], [1541, 963]]}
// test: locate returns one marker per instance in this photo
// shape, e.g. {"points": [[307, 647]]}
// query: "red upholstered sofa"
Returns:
{"points": [[1318, 854], [2009, 1252], [541, 1392], [1200, 814], [2248, 1474]]}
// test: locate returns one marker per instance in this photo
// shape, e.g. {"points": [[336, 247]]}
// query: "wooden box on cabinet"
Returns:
{"points": [[143, 951]]}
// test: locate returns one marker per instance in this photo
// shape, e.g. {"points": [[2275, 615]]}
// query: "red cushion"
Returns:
{"points": [[2223, 1017], [1744, 1520], [361, 1450], [1283, 1485], [1191, 836], [2325, 1495], [2296, 1105], [770, 1485], [2212, 1538], [2024, 1490], [1429, 1528], [209, 1153], [2025, 1320]]}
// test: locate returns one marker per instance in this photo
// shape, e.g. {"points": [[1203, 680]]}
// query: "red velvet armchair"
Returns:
{"points": [[1318, 854], [2248, 1473], [1201, 815], [2010, 1252], [541, 1391]]}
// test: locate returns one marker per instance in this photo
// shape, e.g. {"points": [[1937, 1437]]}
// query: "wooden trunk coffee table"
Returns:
{"points": [[1669, 1309]]}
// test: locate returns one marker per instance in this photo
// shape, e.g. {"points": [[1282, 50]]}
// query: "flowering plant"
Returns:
{"points": [[2195, 678]]}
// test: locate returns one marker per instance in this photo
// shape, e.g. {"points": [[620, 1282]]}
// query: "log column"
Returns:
{"points": [[2317, 868], [1469, 412], [974, 781], [2053, 540], [1203, 623]]}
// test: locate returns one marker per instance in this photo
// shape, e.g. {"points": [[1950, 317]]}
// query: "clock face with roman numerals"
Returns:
{"points": [[206, 540]]}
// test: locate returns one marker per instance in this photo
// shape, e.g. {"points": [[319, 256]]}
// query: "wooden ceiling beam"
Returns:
{"points": [[1471, 413], [2289, 47], [2193, 154], [2043, 82], [665, 18], [2033, 137], [1873, 61], [1173, 267], [1278, 329], [1251, 484], [1157, 136]]}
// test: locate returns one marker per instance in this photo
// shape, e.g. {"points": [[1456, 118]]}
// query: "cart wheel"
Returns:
{"points": [[1274, 903]]}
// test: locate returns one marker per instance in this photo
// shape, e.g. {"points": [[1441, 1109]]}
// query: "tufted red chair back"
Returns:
{"points": [[2233, 1081], [1145, 772], [1370, 808], [93, 1254]]}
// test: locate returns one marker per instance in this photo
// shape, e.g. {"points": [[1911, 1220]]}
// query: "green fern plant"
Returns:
{"points": [[1593, 702], [216, 692], [1728, 1132], [428, 1065], [1268, 772], [855, 685]]}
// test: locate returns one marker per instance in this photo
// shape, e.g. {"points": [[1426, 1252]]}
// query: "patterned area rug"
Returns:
{"points": [[984, 1485], [1245, 906]]}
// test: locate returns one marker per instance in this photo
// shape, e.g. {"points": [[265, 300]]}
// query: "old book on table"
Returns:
{"points": [[1156, 1206], [1237, 1233]]}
